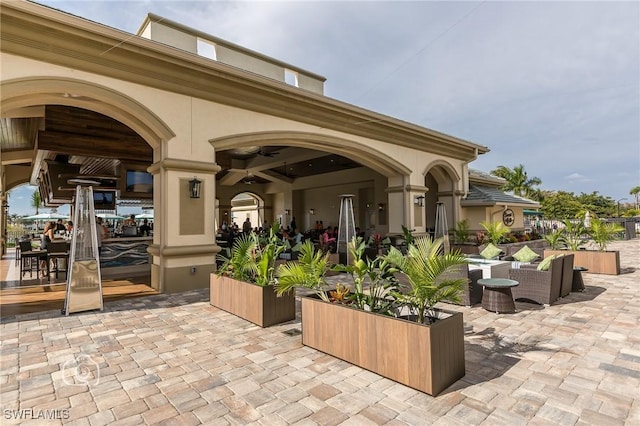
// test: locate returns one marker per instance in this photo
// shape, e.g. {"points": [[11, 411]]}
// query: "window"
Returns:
{"points": [[207, 49], [291, 77]]}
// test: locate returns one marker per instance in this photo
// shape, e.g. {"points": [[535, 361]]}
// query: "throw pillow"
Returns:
{"points": [[525, 254], [490, 252], [546, 263]]}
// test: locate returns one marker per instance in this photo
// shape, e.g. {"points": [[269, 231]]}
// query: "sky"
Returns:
{"points": [[554, 86]]}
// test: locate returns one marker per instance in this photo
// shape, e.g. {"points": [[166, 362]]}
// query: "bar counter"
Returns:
{"points": [[125, 256]]}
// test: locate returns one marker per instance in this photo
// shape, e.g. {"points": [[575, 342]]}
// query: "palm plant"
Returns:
{"points": [[517, 180], [36, 202], [268, 251], [240, 263], [604, 233], [378, 273], [496, 231], [555, 240], [308, 272], [427, 269], [461, 231], [635, 191], [575, 234]]}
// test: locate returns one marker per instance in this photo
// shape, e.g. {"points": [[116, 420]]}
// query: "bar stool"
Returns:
{"points": [[28, 256], [58, 250]]}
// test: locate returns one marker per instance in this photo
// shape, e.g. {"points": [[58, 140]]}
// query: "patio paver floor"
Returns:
{"points": [[175, 359]]}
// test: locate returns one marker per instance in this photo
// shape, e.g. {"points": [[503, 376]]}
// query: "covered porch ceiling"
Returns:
{"points": [[98, 144]]}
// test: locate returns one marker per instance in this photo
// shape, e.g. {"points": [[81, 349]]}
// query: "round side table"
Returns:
{"points": [[578, 283], [497, 296]]}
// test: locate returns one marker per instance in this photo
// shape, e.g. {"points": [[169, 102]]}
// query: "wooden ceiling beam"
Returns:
{"points": [[73, 144]]}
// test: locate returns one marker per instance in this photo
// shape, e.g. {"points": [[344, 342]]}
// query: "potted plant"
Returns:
{"points": [[244, 284], [419, 346], [462, 236], [496, 231], [598, 261]]}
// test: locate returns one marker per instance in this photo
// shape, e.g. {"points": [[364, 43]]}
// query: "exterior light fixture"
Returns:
{"points": [[287, 212], [194, 188], [380, 206], [5, 207], [419, 201], [312, 211]]}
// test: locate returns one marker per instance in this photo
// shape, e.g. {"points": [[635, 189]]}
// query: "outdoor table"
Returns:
{"points": [[578, 283], [497, 296]]}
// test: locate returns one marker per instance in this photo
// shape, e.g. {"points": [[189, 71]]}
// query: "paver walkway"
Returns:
{"points": [[175, 359]]}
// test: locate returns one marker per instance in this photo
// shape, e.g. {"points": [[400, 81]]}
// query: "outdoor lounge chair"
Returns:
{"points": [[542, 287], [567, 274]]}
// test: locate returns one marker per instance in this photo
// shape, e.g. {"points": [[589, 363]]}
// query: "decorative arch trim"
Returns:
{"points": [[364, 154], [30, 91], [447, 167]]}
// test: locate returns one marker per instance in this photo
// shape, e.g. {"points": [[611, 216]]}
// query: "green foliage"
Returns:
{"points": [[426, 269], [461, 231], [555, 240], [408, 236], [575, 235], [240, 262], [35, 200], [252, 259], [561, 205], [496, 231], [377, 273], [598, 204], [604, 233], [635, 191], [308, 272], [517, 180]]}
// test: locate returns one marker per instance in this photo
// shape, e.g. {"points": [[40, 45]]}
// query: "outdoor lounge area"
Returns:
{"points": [[175, 358]]}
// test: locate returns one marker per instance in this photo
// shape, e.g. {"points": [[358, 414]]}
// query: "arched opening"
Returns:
{"points": [[247, 210], [82, 129], [441, 179]]}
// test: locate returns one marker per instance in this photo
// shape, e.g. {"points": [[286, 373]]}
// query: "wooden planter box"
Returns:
{"points": [[597, 262], [257, 304], [428, 358]]}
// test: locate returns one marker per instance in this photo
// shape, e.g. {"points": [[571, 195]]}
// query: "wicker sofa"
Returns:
{"points": [[542, 287]]}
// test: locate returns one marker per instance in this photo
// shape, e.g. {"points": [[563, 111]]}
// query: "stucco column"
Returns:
{"points": [[184, 247], [404, 194]]}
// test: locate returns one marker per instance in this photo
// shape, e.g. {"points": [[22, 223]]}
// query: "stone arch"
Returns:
{"points": [[24, 92], [259, 207], [442, 180], [364, 154]]}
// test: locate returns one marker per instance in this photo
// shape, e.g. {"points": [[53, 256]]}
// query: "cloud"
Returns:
{"points": [[550, 85]]}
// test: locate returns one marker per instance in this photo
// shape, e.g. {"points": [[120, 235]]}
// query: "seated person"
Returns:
{"points": [[131, 221]]}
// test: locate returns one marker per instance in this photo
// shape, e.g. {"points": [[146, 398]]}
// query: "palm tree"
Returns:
{"points": [[36, 202], [635, 191], [517, 180]]}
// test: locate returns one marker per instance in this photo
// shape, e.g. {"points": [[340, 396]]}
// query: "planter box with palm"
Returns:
{"points": [[423, 350], [244, 285], [598, 261]]}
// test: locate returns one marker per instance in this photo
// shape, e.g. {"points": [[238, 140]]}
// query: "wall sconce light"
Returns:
{"points": [[380, 206], [419, 201], [5, 207], [312, 211], [287, 212], [194, 188]]}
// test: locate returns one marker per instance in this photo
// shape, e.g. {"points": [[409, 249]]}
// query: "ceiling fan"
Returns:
{"points": [[249, 179], [267, 153]]}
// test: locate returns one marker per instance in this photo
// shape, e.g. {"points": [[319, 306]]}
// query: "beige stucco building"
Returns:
{"points": [[186, 105]]}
